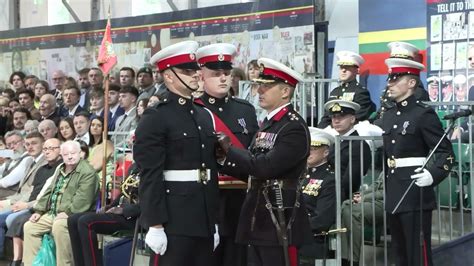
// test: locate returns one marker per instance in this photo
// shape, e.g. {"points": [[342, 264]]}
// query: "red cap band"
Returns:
{"points": [[411, 70], [215, 58], [281, 75], [175, 60]]}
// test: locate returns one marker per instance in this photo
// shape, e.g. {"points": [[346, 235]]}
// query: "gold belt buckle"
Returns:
{"points": [[391, 163]]}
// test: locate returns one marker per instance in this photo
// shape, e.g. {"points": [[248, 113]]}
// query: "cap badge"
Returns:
{"points": [[192, 56], [220, 57], [261, 68], [336, 108]]}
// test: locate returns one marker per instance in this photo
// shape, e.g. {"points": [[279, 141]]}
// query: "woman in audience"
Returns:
{"points": [[153, 100], [41, 88], [236, 75], [98, 144], [14, 103], [249, 92], [66, 129], [141, 106]]}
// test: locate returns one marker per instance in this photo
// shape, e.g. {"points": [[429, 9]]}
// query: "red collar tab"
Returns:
{"points": [[215, 58], [281, 113], [411, 70], [281, 75], [175, 60]]}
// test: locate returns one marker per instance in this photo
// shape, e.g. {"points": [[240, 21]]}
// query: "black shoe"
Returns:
{"points": [[16, 263]]}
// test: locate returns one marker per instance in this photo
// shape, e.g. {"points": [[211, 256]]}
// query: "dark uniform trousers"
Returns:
{"points": [[177, 135], [319, 194], [277, 153], [411, 130], [83, 229], [240, 118], [351, 91]]}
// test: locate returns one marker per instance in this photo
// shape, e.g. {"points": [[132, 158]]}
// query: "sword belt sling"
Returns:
{"points": [[282, 230]]}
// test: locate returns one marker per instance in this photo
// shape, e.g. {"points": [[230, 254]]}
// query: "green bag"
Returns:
{"points": [[47, 253]]}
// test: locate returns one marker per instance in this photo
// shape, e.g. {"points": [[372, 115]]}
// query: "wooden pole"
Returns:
{"points": [[105, 134]]}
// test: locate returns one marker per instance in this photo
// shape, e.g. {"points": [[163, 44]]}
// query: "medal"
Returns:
{"points": [[243, 124], [405, 125]]}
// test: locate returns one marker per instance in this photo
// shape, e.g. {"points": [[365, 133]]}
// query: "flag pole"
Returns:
{"points": [[105, 134]]}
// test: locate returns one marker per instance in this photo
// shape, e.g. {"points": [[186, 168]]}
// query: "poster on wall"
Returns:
{"points": [[450, 54]]}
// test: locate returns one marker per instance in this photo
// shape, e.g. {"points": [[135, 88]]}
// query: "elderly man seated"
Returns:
{"points": [[73, 190]]}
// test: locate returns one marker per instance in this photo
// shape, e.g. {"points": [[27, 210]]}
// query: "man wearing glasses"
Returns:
{"points": [[73, 190]]}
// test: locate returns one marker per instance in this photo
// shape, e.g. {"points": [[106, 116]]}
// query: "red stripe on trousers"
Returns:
{"points": [[90, 236], [293, 254]]}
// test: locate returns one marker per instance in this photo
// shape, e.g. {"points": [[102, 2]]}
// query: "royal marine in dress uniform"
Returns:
{"points": [[341, 112], [411, 131], [350, 89], [408, 51], [273, 219], [236, 118], [319, 193], [174, 149]]}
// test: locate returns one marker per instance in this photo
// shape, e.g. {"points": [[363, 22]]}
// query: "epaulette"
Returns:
{"points": [[422, 104], [161, 102], [242, 101]]}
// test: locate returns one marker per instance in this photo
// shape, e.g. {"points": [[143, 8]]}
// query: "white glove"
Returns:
{"points": [[216, 238], [156, 239], [423, 178]]}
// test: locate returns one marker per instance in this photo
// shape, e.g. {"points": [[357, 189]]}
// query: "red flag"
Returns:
{"points": [[107, 57]]}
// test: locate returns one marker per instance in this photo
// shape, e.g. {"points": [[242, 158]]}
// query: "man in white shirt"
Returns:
{"points": [[71, 98], [128, 121], [81, 126]]}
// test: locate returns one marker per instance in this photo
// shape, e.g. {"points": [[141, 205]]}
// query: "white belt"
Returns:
{"points": [[196, 175], [405, 162]]}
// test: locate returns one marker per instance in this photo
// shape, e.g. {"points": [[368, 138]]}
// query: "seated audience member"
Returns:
{"points": [[237, 74], [14, 104], [343, 119], [16, 80], [20, 116], [119, 215], [30, 82], [145, 83], [66, 129], [98, 144], [371, 201], [128, 121], [127, 76], [81, 126], [5, 115], [27, 100], [41, 88], [48, 129], [48, 109], [141, 106], [43, 174], [153, 101], [71, 105], [17, 203], [96, 103], [73, 190], [115, 111], [319, 193], [84, 149], [8, 93], [14, 171], [31, 126]]}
